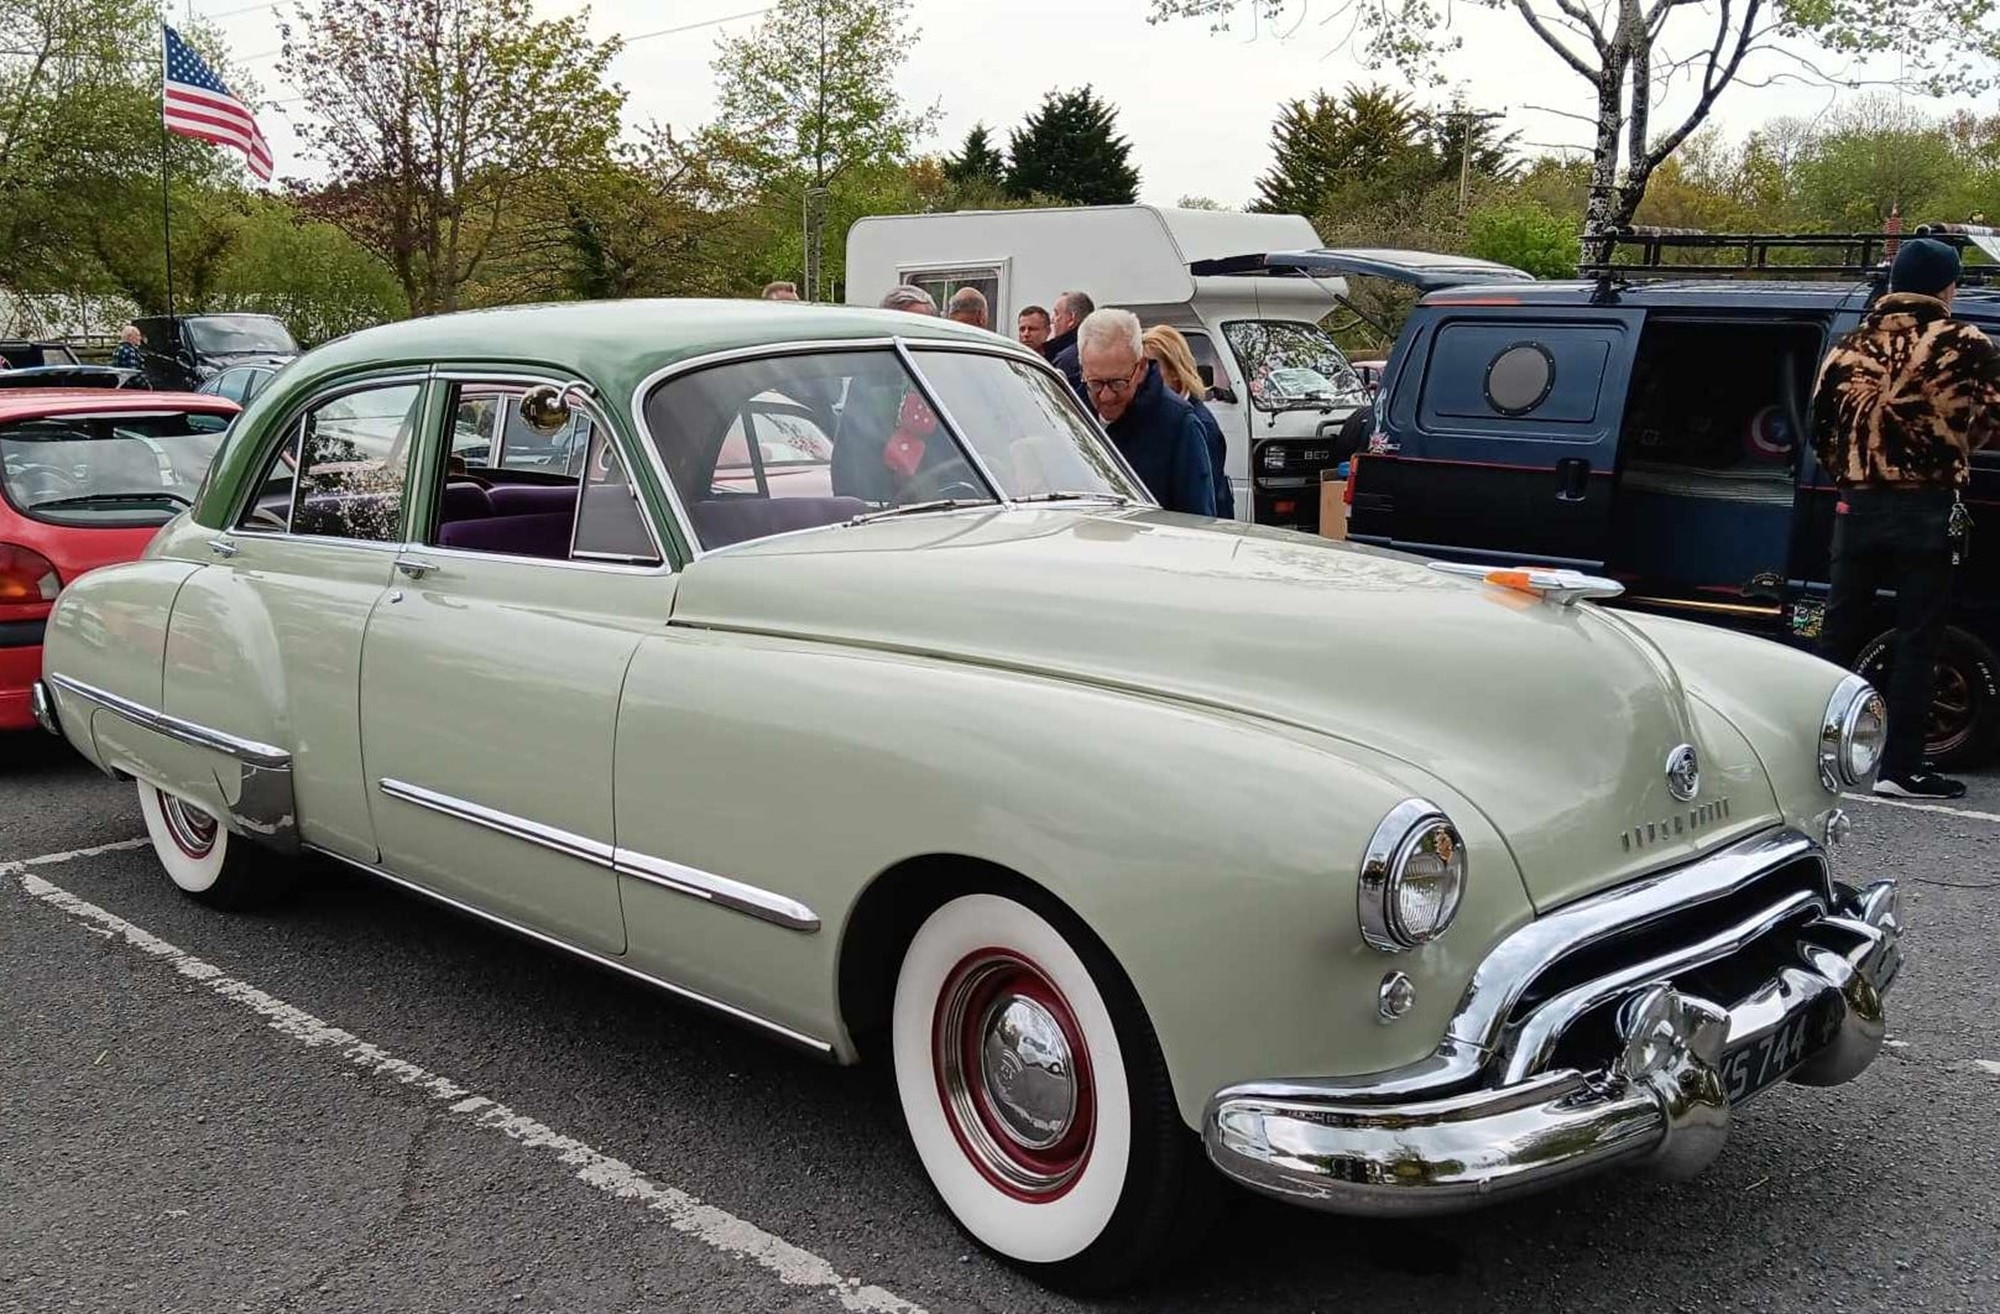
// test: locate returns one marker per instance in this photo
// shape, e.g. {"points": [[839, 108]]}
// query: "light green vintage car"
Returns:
{"points": [[851, 685]]}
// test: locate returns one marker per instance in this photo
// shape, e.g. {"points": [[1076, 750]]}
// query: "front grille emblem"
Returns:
{"points": [[1683, 773]]}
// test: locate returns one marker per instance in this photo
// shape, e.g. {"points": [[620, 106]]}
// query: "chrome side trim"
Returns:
{"points": [[722, 891], [247, 751], [759, 903], [811, 1044], [564, 842]]}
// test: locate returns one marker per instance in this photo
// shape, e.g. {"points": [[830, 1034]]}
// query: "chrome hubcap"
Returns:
{"points": [[192, 830], [1013, 1075], [1026, 1069]]}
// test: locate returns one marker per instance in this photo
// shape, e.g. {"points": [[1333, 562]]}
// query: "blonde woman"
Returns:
{"points": [[1165, 344]]}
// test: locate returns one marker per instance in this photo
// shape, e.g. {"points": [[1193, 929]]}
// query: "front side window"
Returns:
{"points": [[342, 472], [137, 469], [794, 442], [1291, 365]]}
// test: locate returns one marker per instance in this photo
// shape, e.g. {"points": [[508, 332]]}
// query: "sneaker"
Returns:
{"points": [[1920, 784]]}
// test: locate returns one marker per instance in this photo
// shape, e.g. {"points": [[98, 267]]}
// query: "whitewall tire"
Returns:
{"points": [[1035, 1095], [199, 854]]}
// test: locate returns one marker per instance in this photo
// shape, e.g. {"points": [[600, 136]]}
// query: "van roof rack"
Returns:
{"points": [[1659, 252]]}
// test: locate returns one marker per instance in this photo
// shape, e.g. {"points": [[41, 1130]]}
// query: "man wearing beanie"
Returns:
{"points": [[1902, 403]]}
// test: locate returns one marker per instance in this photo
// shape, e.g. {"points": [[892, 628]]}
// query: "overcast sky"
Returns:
{"points": [[1196, 106]]}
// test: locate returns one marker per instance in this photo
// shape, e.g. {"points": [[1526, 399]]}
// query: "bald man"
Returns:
{"points": [[968, 306]]}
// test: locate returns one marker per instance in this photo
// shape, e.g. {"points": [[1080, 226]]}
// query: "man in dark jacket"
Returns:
{"points": [[1155, 430], [1072, 308], [1902, 403]]}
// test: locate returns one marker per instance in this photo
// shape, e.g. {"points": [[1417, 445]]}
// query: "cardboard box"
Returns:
{"points": [[1332, 505]]}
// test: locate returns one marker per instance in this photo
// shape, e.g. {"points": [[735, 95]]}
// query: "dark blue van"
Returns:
{"points": [[1652, 431]]}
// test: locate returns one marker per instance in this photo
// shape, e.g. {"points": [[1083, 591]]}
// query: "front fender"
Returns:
{"points": [[1774, 695], [1215, 855]]}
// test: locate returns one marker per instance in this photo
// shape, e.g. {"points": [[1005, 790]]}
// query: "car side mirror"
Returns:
{"points": [[1223, 393]]}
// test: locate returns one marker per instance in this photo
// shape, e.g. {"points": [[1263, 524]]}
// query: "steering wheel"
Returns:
{"points": [[939, 483]]}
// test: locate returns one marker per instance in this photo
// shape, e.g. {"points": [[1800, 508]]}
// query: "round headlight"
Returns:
{"points": [[1852, 734], [1412, 877]]}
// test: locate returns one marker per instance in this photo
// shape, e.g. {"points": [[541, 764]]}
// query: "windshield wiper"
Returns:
{"points": [[912, 508], [1116, 499], [112, 499]]}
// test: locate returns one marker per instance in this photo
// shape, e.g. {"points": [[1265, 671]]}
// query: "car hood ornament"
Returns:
{"points": [[1683, 773]]}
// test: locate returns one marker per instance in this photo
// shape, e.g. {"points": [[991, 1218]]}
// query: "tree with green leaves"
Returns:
{"points": [[1631, 54], [1069, 149], [808, 97], [432, 116], [978, 163], [1327, 143]]}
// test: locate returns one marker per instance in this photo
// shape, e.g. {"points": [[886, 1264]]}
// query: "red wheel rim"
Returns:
{"points": [[192, 830], [1013, 1075]]}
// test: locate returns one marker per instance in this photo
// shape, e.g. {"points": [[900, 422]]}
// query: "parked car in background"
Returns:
{"points": [[26, 353], [73, 376], [86, 479], [239, 383], [952, 751], [1650, 429], [185, 350]]}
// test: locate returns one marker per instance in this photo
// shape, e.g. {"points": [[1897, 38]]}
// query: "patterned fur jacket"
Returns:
{"points": [[1907, 397]]}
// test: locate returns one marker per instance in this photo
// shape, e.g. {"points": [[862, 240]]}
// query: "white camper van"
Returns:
{"points": [[1248, 290]]}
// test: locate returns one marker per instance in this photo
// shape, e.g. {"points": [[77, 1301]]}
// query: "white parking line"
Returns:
{"points": [[712, 1227], [1972, 814]]}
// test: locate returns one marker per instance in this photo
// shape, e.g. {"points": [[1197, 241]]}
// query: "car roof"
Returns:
{"points": [[617, 344], [1773, 295], [36, 403]]}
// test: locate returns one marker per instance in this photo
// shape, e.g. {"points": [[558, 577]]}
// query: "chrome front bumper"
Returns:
{"points": [[1513, 1100]]}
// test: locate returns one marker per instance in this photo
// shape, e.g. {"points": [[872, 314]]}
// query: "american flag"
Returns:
{"points": [[196, 104]]}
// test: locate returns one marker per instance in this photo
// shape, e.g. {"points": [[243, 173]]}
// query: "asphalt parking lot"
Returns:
{"points": [[361, 1102]]}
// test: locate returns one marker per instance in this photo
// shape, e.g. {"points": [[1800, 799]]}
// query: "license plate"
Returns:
{"points": [[1757, 1063]]}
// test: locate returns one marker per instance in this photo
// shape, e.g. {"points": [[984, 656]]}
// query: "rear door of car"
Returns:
{"points": [[492, 670], [1497, 436]]}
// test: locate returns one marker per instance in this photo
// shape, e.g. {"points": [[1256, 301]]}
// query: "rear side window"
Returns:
{"points": [[341, 472], [1522, 378]]}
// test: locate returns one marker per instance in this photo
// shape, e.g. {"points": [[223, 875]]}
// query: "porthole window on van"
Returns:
{"points": [[1520, 378]]}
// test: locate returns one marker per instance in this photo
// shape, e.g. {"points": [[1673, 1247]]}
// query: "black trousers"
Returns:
{"points": [[1885, 539]]}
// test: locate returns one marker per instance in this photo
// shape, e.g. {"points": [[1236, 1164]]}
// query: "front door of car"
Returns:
{"points": [[273, 627], [1499, 439], [491, 675]]}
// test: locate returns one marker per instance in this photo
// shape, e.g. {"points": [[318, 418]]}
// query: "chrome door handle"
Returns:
{"points": [[222, 547], [414, 568]]}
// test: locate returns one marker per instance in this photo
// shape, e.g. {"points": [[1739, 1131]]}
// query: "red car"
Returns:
{"points": [[87, 476]]}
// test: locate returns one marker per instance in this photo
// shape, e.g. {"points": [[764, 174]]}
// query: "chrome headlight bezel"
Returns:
{"points": [[1402, 834], [1838, 764]]}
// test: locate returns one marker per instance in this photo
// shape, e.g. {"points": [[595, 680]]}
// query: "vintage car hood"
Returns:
{"points": [[1556, 722]]}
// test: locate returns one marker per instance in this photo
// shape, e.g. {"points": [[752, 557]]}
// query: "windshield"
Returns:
{"points": [[1291, 364], [223, 335], [109, 470], [793, 442]]}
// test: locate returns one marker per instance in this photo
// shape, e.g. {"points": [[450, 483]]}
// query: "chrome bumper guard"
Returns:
{"points": [[44, 708], [1491, 1113]]}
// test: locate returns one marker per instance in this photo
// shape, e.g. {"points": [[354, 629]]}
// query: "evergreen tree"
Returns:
{"points": [[1328, 144], [1069, 150], [977, 162]]}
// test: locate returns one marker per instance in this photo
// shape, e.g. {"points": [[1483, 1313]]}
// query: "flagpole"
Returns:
{"points": [[166, 195]]}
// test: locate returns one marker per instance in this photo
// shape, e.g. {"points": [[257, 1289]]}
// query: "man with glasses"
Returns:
{"points": [[1155, 430]]}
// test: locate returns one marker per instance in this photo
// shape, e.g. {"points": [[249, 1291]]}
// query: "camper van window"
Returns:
{"points": [[1291, 365], [941, 283]]}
